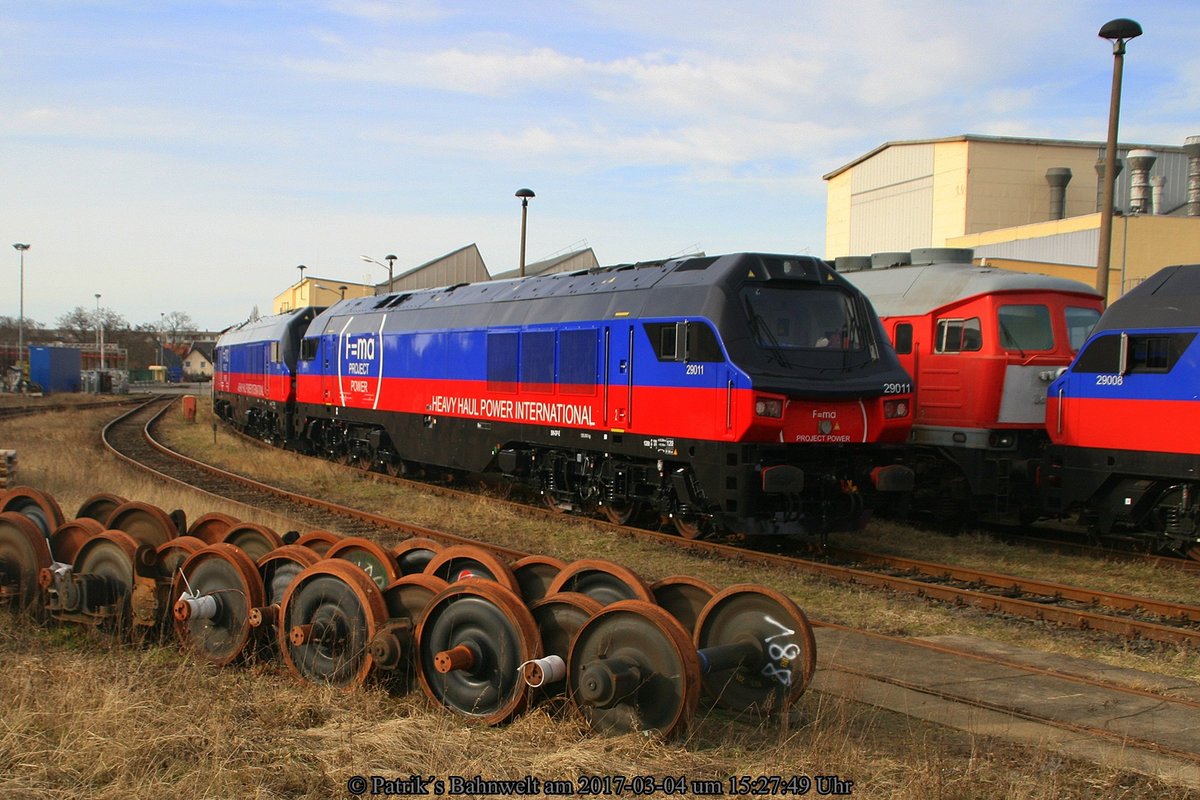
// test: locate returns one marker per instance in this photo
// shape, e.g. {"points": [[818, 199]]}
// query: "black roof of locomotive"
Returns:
{"points": [[1170, 298]]}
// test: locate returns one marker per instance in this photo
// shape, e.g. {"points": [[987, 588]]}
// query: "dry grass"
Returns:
{"points": [[86, 717]]}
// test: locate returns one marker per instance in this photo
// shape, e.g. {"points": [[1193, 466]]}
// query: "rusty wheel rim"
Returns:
{"points": [[683, 597], [413, 555], [368, 556], [172, 554], [100, 507], [687, 526], [463, 561], [40, 507], [225, 573], [318, 541], [534, 575], [782, 633], [24, 553], [490, 623], [147, 523], [407, 597], [329, 616], [280, 568], [632, 668], [601, 580], [70, 536], [111, 557], [559, 617], [619, 512], [256, 540], [212, 527]]}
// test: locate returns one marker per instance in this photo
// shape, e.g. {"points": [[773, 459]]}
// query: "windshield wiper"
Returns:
{"points": [[1008, 335], [760, 326]]}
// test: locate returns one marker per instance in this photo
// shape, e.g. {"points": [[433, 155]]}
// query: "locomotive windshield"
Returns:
{"points": [[804, 319], [1080, 322]]}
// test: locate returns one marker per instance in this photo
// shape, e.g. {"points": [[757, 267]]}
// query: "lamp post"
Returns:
{"points": [[343, 289], [99, 335], [391, 259], [524, 194], [21, 247], [162, 321], [1118, 31]]}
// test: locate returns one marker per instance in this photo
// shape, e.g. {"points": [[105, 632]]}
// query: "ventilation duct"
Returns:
{"points": [[1140, 162], [1158, 189], [1100, 181], [924, 256], [1058, 178], [894, 259], [1191, 146], [852, 263]]}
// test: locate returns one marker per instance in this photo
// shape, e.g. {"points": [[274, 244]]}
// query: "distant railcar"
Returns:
{"points": [[1125, 418], [982, 345]]}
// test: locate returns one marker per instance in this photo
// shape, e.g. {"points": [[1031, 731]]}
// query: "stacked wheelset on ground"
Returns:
{"points": [[481, 636]]}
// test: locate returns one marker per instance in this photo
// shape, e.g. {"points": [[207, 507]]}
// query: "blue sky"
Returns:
{"points": [[186, 156]]}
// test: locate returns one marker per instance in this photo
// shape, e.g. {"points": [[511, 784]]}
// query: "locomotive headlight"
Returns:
{"points": [[768, 407], [1000, 439], [895, 409]]}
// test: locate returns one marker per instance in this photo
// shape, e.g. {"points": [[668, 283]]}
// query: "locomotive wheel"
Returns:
{"points": [[319, 541], [212, 527], [534, 575], [280, 567], [255, 540], [147, 523], [601, 580], [620, 512], [772, 627], [414, 554], [24, 553], [471, 642], [70, 536], [632, 667], [100, 507], [40, 507], [369, 557], [1194, 553], [684, 597], [559, 617], [407, 597], [224, 574], [110, 558], [554, 504], [468, 561], [689, 526], [172, 554], [330, 614]]}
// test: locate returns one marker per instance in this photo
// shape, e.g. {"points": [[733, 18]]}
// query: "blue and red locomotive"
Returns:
{"points": [[740, 393], [1125, 418]]}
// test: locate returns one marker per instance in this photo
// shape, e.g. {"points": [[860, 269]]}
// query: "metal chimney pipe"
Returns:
{"points": [[1140, 162], [1191, 146], [1100, 180], [1058, 178], [1158, 186]]}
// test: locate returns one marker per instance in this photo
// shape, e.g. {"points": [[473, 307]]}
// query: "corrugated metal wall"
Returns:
{"points": [[891, 200], [462, 266], [1077, 248]]}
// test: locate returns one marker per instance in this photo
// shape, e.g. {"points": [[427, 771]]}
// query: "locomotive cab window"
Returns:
{"points": [[683, 341], [308, 348], [958, 336], [1080, 322], [1025, 327], [902, 336], [804, 318]]}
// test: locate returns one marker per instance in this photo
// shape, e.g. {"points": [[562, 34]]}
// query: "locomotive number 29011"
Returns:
{"points": [[897, 388]]}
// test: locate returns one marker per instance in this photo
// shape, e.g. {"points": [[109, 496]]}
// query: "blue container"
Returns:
{"points": [[55, 369]]}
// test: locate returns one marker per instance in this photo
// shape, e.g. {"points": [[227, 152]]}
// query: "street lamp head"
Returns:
{"points": [[21, 246], [368, 259], [390, 257], [1119, 31], [525, 194]]}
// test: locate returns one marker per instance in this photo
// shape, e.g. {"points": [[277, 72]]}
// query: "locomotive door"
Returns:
{"points": [[618, 375]]}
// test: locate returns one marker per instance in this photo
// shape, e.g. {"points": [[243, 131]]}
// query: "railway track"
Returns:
{"points": [[1070, 607]]}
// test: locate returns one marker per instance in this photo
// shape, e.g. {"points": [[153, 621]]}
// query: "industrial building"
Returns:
{"points": [[1027, 204]]}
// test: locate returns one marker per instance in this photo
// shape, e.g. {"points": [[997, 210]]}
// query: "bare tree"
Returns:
{"points": [[176, 324]]}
